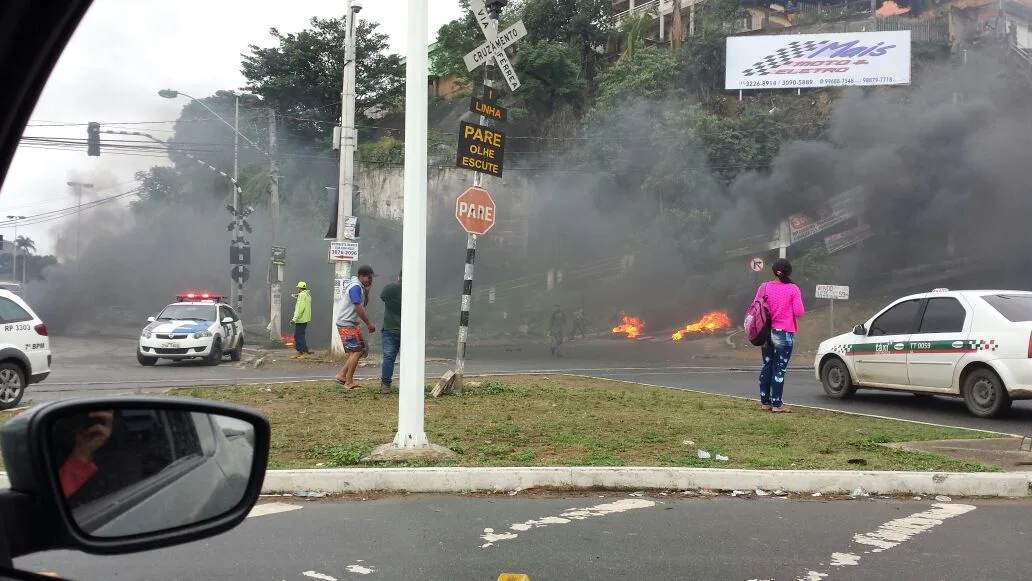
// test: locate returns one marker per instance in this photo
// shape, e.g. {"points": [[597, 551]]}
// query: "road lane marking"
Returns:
{"points": [[490, 537], [893, 534], [319, 576], [360, 569], [272, 508]]}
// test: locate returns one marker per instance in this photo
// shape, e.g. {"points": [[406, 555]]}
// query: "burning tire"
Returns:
{"points": [[836, 380]]}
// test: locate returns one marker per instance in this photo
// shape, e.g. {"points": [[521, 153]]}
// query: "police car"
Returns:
{"points": [[971, 344], [196, 326]]}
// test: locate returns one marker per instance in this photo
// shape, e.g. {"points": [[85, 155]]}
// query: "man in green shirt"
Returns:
{"points": [[391, 337], [302, 316]]}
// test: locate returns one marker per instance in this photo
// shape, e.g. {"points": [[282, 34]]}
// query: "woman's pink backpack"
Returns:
{"points": [[757, 320]]}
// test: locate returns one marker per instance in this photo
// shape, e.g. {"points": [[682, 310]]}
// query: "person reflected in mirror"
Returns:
{"points": [[91, 432]]}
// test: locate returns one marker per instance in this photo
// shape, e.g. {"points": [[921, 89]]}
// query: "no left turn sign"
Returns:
{"points": [[756, 264]]}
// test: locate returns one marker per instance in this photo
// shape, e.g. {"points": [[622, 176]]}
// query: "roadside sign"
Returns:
{"points": [[488, 109], [490, 94], [506, 38], [351, 227], [514, 34], [475, 210], [240, 273], [480, 148], [343, 251], [830, 291], [239, 254], [279, 255], [756, 264]]}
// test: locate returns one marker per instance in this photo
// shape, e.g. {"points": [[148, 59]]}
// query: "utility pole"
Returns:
{"points": [[79, 186], [346, 182], [14, 259], [275, 272], [235, 192]]}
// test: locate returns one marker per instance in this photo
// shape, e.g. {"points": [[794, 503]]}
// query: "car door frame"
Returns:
{"points": [[938, 349], [882, 357]]}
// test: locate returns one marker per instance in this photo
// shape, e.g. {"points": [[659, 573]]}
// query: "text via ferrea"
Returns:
{"points": [[480, 149]]}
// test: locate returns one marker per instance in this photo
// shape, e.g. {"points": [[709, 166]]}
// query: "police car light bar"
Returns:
{"points": [[200, 297]]}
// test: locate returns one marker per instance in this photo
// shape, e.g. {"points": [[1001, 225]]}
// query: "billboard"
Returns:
{"points": [[801, 61], [837, 210]]}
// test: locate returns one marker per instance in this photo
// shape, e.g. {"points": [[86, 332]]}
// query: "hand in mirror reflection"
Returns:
{"points": [[91, 432]]}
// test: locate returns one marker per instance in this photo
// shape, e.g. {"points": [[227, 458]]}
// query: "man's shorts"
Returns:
{"points": [[352, 339]]}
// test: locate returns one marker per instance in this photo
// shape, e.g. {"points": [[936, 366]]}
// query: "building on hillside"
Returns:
{"points": [[442, 85]]}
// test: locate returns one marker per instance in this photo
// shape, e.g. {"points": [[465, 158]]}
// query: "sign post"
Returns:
{"points": [[832, 292], [481, 148], [756, 264]]}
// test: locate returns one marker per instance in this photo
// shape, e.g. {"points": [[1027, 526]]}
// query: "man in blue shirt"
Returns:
{"points": [[356, 297]]}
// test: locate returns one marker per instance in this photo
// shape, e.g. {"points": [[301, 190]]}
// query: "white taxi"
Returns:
{"points": [[196, 326], [971, 344]]}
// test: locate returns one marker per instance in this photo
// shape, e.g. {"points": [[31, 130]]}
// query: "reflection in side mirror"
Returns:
{"points": [[860, 330], [227, 320], [151, 319], [141, 470]]}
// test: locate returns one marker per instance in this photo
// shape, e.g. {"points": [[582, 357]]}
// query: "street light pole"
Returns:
{"points": [[346, 181], [14, 260], [79, 186]]}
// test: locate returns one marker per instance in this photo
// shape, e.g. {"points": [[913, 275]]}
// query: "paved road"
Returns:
{"points": [[615, 537], [90, 367]]}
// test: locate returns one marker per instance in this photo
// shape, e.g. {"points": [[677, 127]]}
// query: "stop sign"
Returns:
{"points": [[475, 210]]}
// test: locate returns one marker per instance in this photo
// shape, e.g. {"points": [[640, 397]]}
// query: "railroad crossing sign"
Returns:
{"points": [[240, 273], [756, 264], [475, 210], [495, 45]]}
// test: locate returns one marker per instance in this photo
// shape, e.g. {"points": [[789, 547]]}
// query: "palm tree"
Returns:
{"points": [[27, 246]]}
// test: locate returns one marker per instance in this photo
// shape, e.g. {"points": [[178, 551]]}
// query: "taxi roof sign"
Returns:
{"points": [[940, 290]]}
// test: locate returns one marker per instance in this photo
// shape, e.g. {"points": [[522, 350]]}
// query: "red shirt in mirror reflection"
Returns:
{"points": [[74, 473]]}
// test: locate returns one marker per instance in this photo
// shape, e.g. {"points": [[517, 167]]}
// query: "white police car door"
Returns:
{"points": [[229, 330], [882, 358]]}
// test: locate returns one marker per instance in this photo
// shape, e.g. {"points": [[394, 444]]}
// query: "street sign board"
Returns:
{"points": [[343, 251], [756, 264], [484, 21], [279, 255], [488, 109], [475, 210], [480, 13], [480, 148], [240, 273], [490, 94], [508, 71], [483, 53], [830, 291], [239, 254]]}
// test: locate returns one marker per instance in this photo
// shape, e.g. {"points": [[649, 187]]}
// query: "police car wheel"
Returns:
{"points": [[836, 380], [238, 353], [984, 394], [215, 357], [144, 360], [12, 385]]}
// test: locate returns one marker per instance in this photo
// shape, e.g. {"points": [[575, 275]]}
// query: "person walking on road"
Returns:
{"points": [[302, 316], [556, 325], [786, 305], [578, 325], [356, 297], [390, 334]]}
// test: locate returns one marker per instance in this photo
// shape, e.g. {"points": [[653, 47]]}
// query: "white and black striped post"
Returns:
{"points": [[467, 299]]}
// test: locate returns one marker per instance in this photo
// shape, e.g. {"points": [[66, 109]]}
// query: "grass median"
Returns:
{"points": [[559, 420]]}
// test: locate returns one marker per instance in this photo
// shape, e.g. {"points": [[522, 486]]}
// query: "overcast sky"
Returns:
{"points": [[124, 52]]}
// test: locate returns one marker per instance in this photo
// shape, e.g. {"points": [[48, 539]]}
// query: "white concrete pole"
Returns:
{"points": [[411, 432]]}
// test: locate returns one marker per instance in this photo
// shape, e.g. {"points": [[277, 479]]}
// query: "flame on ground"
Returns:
{"points": [[630, 326], [709, 323], [287, 340]]}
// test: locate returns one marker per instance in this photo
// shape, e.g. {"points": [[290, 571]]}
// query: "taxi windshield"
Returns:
{"points": [[188, 313]]}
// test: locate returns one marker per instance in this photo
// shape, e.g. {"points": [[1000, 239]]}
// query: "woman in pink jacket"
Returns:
{"points": [[786, 305]]}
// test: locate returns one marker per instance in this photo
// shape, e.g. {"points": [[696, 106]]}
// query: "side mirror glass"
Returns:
{"points": [[227, 320], [127, 474], [151, 319], [860, 330]]}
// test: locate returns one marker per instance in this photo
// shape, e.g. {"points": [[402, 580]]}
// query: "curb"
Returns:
{"points": [[456, 480]]}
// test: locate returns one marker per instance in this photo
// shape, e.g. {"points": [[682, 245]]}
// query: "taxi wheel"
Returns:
{"points": [[215, 357], [836, 380], [984, 394]]}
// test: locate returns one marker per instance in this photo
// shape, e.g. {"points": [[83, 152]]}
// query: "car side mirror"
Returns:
{"points": [[151, 319], [123, 474], [227, 320], [860, 330]]}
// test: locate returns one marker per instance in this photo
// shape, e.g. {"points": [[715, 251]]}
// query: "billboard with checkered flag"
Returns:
{"points": [[794, 61]]}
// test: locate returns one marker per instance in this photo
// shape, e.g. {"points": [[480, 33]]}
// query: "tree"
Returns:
{"points": [[702, 57], [25, 244], [647, 73], [549, 73], [454, 40], [586, 25], [301, 77]]}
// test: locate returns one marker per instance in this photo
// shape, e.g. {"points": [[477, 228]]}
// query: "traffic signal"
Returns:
{"points": [[93, 139], [494, 7]]}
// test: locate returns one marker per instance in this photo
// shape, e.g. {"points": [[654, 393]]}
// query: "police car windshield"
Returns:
{"points": [[1017, 308], [188, 313]]}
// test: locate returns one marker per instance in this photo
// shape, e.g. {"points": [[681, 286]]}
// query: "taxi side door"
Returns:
{"points": [[935, 349], [881, 359]]}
